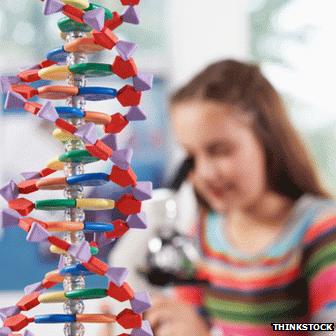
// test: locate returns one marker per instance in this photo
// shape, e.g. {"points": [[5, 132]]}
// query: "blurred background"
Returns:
{"points": [[293, 40]]}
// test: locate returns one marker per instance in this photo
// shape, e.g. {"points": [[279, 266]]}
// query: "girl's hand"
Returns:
{"points": [[170, 318]]}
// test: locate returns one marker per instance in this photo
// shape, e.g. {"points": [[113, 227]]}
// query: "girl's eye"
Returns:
{"points": [[221, 150]]}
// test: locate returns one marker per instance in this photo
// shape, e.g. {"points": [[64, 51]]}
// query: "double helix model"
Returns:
{"points": [[86, 28]]}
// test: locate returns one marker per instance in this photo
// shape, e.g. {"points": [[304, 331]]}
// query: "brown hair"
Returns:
{"points": [[290, 169]]}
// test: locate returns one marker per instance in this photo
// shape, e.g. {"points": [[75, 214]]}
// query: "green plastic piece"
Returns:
{"points": [[94, 250], [55, 204], [86, 294], [67, 25], [92, 69], [78, 155]]}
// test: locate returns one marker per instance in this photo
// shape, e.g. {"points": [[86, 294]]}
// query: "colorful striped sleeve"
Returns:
{"points": [[319, 266]]}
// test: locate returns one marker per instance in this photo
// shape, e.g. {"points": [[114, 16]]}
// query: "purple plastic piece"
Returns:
{"points": [[52, 7], [48, 112], [143, 190], [37, 234], [117, 275], [10, 311], [137, 221], [4, 85], [125, 49], [110, 140], [95, 18], [143, 81], [61, 262], [30, 175], [81, 251], [14, 101], [101, 240], [35, 287], [140, 302], [4, 331], [8, 218], [135, 114], [9, 191], [28, 333], [145, 330], [131, 15], [2, 317], [122, 157], [87, 133]]}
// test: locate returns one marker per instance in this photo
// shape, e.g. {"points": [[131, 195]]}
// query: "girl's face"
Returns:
{"points": [[230, 168]]}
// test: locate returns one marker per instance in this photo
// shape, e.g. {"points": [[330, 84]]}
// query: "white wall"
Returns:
{"points": [[201, 32]]}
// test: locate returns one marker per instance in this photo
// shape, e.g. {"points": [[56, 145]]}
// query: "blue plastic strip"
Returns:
{"points": [[98, 227], [56, 318], [70, 112], [75, 270], [58, 55], [96, 93], [88, 180]]}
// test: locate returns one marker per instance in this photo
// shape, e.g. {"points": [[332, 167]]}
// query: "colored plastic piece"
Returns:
{"points": [[79, 155], [126, 49], [55, 72], [91, 69], [131, 16], [57, 92], [55, 204], [128, 96], [95, 204], [97, 93], [69, 112], [92, 179], [86, 294], [84, 45]]}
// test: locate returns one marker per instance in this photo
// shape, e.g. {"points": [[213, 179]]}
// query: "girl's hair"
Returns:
{"points": [[290, 169]]}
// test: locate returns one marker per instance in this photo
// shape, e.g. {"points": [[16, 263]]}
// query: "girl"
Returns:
{"points": [[267, 228]]}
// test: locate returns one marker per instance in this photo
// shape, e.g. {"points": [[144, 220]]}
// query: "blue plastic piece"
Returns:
{"points": [[66, 112], [88, 180], [97, 93], [58, 55], [55, 318], [75, 270], [98, 227]]}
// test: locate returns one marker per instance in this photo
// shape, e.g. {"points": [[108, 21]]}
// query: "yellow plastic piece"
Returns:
{"points": [[95, 203], [55, 72], [56, 250], [55, 164], [81, 4], [54, 276], [63, 136], [56, 297]]}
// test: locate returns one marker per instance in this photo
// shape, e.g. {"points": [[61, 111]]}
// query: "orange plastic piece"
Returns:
{"points": [[128, 205], [17, 322], [52, 183], [48, 284], [99, 150], [95, 318], [32, 107], [73, 13], [106, 38], [29, 76], [123, 293], [115, 22], [28, 186], [120, 228], [64, 226], [54, 277], [83, 45], [25, 91], [117, 124], [97, 266], [128, 96], [66, 126], [46, 171], [128, 319], [57, 91], [29, 301], [46, 63], [97, 117], [122, 177], [21, 205], [124, 69], [60, 243], [25, 223]]}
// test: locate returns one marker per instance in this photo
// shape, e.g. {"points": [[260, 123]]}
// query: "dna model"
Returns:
{"points": [[86, 28]]}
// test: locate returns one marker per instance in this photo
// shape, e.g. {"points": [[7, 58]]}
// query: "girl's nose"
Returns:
{"points": [[206, 169]]}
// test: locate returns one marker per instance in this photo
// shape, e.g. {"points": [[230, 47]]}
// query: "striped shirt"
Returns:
{"points": [[292, 280]]}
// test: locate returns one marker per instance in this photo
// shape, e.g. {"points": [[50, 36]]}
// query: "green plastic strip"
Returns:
{"points": [[55, 204], [86, 294], [94, 250], [92, 69], [67, 25], [78, 155]]}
